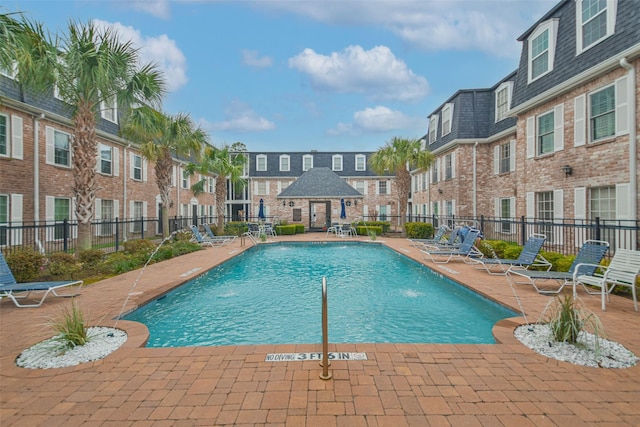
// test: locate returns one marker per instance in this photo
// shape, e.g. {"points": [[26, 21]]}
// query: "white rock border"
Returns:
{"points": [[539, 338], [50, 353]]}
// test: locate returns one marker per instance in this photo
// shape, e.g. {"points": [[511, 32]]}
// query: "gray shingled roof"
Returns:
{"points": [[319, 183]]}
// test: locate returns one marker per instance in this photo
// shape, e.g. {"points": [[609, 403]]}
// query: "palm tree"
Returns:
{"points": [[226, 163], [398, 155], [161, 137], [91, 68]]}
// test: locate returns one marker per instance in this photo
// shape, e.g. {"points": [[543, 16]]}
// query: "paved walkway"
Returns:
{"points": [[504, 384]]}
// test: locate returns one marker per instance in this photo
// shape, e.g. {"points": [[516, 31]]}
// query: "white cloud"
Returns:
{"points": [[252, 58], [490, 26], [240, 117], [378, 119], [160, 50], [157, 8], [376, 73]]}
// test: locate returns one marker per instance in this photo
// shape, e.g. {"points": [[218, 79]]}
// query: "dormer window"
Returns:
{"points": [[447, 115], [284, 163], [109, 109], [542, 47], [595, 21], [503, 100], [433, 127], [307, 162], [261, 163], [361, 162], [336, 163]]}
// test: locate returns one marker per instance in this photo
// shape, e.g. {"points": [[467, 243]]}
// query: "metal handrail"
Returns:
{"points": [[325, 375]]}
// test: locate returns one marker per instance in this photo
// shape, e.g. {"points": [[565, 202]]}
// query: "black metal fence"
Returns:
{"points": [[564, 236]]}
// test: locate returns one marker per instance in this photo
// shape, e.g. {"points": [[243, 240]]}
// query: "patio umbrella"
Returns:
{"points": [[343, 209], [261, 210]]}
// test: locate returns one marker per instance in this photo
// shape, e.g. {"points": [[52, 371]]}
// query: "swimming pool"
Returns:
{"points": [[271, 294]]}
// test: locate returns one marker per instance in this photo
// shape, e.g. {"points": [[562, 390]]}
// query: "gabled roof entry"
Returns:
{"points": [[319, 183]]}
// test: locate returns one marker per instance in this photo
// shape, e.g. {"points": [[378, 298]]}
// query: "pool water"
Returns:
{"points": [[272, 294]]}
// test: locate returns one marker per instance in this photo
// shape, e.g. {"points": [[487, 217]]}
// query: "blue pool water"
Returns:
{"points": [[272, 294]]}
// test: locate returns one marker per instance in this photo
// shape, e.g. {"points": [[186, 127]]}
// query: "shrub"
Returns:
{"points": [[418, 230], [182, 236], [299, 228], [71, 327], [287, 230], [26, 264], [63, 265], [235, 228], [121, 262], [366, 230], [386, 225], [91, 257], [569, 318], [139, 246]]}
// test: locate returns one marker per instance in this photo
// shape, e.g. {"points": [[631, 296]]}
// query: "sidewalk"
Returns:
{"points": [[504, 384]]}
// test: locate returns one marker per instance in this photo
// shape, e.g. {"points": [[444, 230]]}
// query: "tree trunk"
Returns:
{"points": [[84, 153], [164, 168], [221, 193], [403, 181]]}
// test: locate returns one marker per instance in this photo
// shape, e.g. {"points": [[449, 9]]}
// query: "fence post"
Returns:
{"points": [[142, 227], [117, 235], [523, 230], [65, 234], [598, 228], [482, 222]]}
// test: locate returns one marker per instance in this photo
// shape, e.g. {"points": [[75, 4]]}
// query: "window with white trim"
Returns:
{"points": [[261, 163], [4, 135], [61, 211], [336, 162], [107, 215], [383, 211], [136, 167], [359, 186], [544, 132], [435, 170], [602, 113], [211, 187], [505, 214], [596, 20], [361, 162], [261, 188], [4, 218], [61, 148], [433, 128], [109, 109], [383, 187], [106, 159], [284, 163], [541, 48], [505, 157], [10, 72], [503, 100], [447, 115], [185, 179], [602, 204], [137, 214], [448, 166], [307, 162], [545, 212]]}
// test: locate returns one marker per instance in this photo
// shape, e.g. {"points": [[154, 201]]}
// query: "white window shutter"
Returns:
{"points": [[453, 165], [255, 187], [16, 138], [98, 158], [279, 187], [497, 213], [580, 213], [512, 212], [16, 217], [496, 160], [579, 123], [50, 150], [116, 161], [531, 137], [145, 207], [116, 209], [377, 189], [531, 205], [366, 188], [174, 176], [512, 155], [267, 188], [558, 131], [622, 106], [624, 203], [74, 230], [558, 213], [145, 166], [97, 214], [131, 164], [49, 215]]}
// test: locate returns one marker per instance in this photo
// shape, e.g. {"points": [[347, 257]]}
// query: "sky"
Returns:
{"points": [[300, 75]]}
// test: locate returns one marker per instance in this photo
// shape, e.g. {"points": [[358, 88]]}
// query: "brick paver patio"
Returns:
{"points": [[503, 384]]}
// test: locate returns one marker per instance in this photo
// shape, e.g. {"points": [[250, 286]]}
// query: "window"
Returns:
{"points": [[61, 211], [603, 205], [361, 162], [284, 163], [433, 128], [261, 163], [448, 166], [336, 162], [544, 212], [602, 113], [106, 159], [383, 188], [4, 218], [360, 186], [10, 72], [545, 133], [505, 215], [137, 213], [261, 188], [596, 21], [107, 215], [383, 211], [503, 100], [307, 162], [435, 170], [541, 46], [447, 115], [62, 148], [4, 138], [211, 185], [109, 109], [505, 158], [136, 167], [185, 179]]}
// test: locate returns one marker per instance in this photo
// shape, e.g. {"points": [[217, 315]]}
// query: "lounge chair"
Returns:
{"points": [[269, 230], [437, 238], [213, 237], [335, 227], [590, 254], [529, 257], [345, 231], [466, 250], [15, 291], [622, 271], [455, 239], [203, 240]]}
